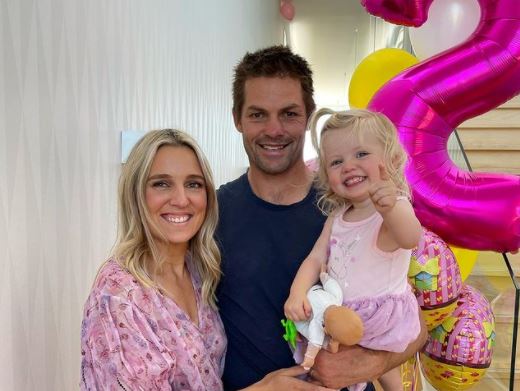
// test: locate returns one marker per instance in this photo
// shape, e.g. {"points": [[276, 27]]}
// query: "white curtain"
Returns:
{"points": [[73, 75]]}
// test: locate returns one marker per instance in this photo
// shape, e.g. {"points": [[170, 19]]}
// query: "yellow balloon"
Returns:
{"points": [[450, 377], [466, 260], [374, 71]]}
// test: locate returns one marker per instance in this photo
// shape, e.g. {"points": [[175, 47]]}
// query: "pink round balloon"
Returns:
{"points": [[460, 349], [426, 102], [287, 9], [435, 278], [434, 272], [405, 12]]}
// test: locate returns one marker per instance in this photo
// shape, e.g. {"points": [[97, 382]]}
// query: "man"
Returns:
{"points": [[269, 222]]}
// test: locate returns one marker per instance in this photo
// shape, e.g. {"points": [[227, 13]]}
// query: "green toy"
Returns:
{"points": [[290, 332]]}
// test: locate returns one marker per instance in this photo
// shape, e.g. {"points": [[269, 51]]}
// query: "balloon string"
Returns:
{"points": [[408, 376]]}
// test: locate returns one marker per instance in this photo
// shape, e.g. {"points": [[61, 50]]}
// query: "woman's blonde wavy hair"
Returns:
{"points": [[135, 248], [357, 122]]}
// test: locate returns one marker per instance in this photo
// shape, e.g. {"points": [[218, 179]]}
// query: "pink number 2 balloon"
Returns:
{"points": [[426, 102]]}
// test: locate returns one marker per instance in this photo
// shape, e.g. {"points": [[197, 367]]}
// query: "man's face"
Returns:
{"points": [[273, 123]]}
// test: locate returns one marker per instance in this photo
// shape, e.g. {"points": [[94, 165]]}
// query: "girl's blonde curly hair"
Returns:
{"points": [[357, 123]]}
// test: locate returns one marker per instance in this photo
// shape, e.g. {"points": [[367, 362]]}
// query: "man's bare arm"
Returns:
{"points": [[354, 364]]}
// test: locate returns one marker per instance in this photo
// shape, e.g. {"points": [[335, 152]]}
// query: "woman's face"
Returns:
{"points": [[176, 195]]}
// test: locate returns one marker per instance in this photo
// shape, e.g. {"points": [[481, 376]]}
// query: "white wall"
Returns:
{"points": [[335, 36], [73, 75]]}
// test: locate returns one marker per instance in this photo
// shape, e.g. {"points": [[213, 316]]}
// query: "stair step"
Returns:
{"points": [[498, 118], [492, 264], [490, 139], [506, 162], [513, 103]]}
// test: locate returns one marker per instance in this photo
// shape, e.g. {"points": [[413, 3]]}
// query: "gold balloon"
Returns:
{"points": [[448, 377]]}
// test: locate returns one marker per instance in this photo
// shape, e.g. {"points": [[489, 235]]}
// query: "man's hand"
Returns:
{"points": [[354, 364], [350, 365]]}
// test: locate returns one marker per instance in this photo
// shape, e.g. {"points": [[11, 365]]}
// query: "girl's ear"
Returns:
{"points": [[397, 161]]}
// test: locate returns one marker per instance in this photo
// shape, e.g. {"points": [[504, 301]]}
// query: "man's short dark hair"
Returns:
{"points": [[274, 61]]}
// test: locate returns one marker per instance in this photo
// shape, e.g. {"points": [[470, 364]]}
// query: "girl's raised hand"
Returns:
{"points": [[383, 192]]}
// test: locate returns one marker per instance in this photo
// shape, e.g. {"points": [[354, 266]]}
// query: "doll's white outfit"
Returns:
{"points": [[320, 297]]}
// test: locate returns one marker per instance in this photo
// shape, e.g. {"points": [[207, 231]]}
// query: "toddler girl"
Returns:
{"points": [[367, 239]]}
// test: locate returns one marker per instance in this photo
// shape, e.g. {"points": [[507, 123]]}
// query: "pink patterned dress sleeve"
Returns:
{"points": [[134, 338]]}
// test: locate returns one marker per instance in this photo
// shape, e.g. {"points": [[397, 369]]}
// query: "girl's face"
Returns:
{"points": [[176, 195], [352, 165]]}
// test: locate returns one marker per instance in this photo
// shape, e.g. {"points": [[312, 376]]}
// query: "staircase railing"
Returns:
{"points": [[459, 157]]}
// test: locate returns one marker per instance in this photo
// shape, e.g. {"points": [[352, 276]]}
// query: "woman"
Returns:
{"points": [[150, 321]]}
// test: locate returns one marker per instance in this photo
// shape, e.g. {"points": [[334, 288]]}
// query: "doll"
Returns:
{"points": [[330, 318]]}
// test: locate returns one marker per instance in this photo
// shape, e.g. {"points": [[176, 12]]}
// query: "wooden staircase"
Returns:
{"points": [[492, 140]]}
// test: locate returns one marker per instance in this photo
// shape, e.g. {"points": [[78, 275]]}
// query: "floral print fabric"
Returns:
{"points": [[135, 338]]}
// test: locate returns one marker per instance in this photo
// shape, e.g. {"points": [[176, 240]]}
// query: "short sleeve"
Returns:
{"points": [[121, 350], [332, 287]]}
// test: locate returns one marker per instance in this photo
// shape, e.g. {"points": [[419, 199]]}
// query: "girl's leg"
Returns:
{"points": [[391, 380]]}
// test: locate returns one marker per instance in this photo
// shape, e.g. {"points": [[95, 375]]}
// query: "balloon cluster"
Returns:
{"points": [[459, 318], [479, 71], [469, 65]]}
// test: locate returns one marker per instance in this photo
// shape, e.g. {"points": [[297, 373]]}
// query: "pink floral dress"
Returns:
{"points": [[135, 338]]}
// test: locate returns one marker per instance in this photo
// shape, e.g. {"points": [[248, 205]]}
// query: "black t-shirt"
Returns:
{"points": [[262, 247]]}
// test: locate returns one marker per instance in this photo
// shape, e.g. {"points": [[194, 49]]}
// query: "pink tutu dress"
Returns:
{"points": [[374, 284]]}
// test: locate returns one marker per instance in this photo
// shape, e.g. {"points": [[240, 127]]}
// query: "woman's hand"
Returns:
{"points": [[286, 380]]}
